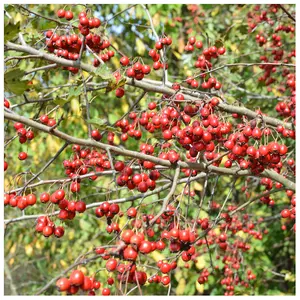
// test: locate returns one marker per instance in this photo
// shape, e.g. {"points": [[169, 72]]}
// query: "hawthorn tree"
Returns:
{"points": [[149, 149]]}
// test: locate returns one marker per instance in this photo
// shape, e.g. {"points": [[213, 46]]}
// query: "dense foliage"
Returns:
{"points": [[149, 150]]}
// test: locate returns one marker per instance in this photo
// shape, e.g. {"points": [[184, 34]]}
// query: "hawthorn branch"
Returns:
{"points": [[246, 65], [158, 161], [168, 197], [45, 166], [147, 85], [43, 17], [74, 265], [43, 68], [120, 200], [288, 14]]}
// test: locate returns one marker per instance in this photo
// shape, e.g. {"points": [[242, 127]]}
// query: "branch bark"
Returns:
{"points": [[133, 154]]}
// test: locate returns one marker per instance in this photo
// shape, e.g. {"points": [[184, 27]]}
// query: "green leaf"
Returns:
{"points": [[243, 29], [102, 125], [60, 101], [74, 92], [104, 72], [13, 82], [10, 31]]}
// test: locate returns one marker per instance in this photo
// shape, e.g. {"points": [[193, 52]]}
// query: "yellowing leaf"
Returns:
{"points": [[181, 287], [199, 287], [13, 248], [156, 19], [198, 186], [140, 46], [63, 263], [157, 256], [28, 250], [71, 235], [200, 264], [177, 54]]}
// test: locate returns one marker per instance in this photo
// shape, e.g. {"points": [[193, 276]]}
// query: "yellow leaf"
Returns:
{"points": [[39, 244], [63, 263], [198, 186], [215, 11], [140, 46], [177, 54], [200, 264], [181, 287], [53, 247], [181, 45], [75, 107], [13, 248], [157, 256], [28, 250], [233, 47], [71, 235], [11, 261], [83, 270], [199, 287], [156, 19]]}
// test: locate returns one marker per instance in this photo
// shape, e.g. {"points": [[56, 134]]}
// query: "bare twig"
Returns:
{"points": [[168, 197]]}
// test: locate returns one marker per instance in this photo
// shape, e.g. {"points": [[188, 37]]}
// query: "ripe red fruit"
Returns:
{"points": [[61, 13], [22, 155], [31, 199], [76, 277], [222, 237], [96, 135], [59, 231], [165, 268], [59, 195], [145, 247], [165, 280], [69, 15], [80, 206], [96, 22], [130, 254], [126, 235], [87, 284], [221, 50], [44, 119], [285, 213], [124, 60], [131, 212], [63, 284], [47, 231], [106, 292], [111, 264], [30, 135], [120, 92], [84, 21]]}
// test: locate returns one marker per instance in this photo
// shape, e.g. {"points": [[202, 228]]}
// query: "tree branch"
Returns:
{"points": [[134, 154], [168, 197]]}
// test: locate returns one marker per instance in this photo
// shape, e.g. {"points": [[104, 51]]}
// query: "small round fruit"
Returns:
{"points": [[63, 284]]}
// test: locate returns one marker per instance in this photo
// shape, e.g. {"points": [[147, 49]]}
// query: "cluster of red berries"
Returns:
{"points": [[47, 227], [203, 62], [203, 277], [19, 201], [137, 70], [162, 43], [69, 46], [108, 210], [23, 134], [78, 281], [47, 121], [259, 16]]}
